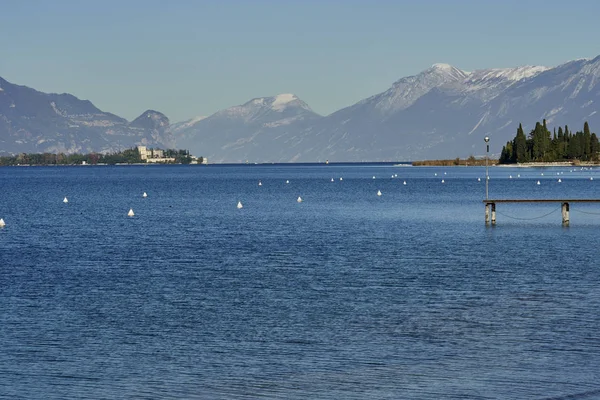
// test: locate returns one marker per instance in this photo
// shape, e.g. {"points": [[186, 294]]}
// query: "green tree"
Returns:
{"points": [[594, 147], [520, 146], [587, 141], [574, 147], [507, 156], [537, 136]]}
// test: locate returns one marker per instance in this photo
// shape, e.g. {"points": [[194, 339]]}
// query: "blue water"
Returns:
{"points": [[346, 295]]}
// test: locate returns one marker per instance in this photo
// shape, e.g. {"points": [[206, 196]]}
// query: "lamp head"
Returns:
{"points": [[487, 139]]}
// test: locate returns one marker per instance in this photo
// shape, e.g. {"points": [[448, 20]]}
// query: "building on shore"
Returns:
{"points": [[158, 156], [154, 155]]}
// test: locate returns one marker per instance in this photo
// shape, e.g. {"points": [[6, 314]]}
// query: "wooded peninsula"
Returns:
{"points": [[128, 156], [544, 146]]}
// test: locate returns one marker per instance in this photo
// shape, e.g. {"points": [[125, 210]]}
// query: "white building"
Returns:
{"points": [[153, 155]]}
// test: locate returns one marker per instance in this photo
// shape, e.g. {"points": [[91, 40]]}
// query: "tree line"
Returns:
{"points": [[128, 156], [544, 146], [471, 161]]}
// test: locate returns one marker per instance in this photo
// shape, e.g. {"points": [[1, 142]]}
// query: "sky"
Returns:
{"points": [[188, 58]]}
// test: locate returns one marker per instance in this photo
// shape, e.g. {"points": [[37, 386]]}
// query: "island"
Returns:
{"points": [[135, 155]]}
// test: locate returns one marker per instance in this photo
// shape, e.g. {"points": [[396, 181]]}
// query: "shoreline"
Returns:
{"points": [[548, 164], [422, 163]]}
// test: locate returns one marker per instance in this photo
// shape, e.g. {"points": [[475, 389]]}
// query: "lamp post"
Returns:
{"points": [[487, 177]]}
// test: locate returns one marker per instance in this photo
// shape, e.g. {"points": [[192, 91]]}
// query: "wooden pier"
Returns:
{"points": [[490, 206]]}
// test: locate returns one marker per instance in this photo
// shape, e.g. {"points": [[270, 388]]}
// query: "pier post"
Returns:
{"points": [[490, 213], [565, 213]]}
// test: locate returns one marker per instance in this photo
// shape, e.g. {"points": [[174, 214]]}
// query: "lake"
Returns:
{"points": [[345, 295]]}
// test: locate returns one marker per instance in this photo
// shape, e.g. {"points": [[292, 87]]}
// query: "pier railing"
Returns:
{"points": [[490, 206]]}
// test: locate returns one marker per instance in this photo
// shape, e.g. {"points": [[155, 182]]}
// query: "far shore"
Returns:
{"points": [[494, 163], [456, 162], [549, 164]]}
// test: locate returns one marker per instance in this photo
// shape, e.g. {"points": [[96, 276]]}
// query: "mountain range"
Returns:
{"points": [[442, 112], [36, 122]]}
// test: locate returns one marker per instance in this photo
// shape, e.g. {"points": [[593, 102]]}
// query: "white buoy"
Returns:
{"points": [[130, 213], [478, 179], [542, 174], [559, 181], [518, 175], [341, 179], [259, 183], [591, 178], [404, 183], [239, 205], [395, 175], [510, 177], [444, 173], [65, 200], [435, 174], [331, 179], [379, 193], [373, 176], [538, 182], [443, 181], [299, 200], [2, 223], [145, 194], [287, 181]]}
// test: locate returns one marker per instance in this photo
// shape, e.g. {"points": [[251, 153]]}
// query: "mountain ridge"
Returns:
{"points": [[441, 112], [438, 113], [34, 121]]}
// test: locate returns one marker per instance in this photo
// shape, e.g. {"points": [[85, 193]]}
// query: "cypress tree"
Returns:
{"points": [[594, 147], [554, 147], [586, 139], [546, 143], [537, 134], [574, 148], [520, 146], [581, 144], [504, 155], [586, 128]]}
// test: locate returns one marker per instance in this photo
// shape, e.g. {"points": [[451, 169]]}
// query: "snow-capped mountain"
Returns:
{"points": [[32, 121], [249, 131], [180, 126], [488, 83], [442, 112], [406, 91], [273, 109]]}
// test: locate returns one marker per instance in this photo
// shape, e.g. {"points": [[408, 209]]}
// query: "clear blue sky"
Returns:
{"points": [[191, 57]]}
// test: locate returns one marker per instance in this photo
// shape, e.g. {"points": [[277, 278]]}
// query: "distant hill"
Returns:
{"points": [[32, 121], [261, 129]]}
